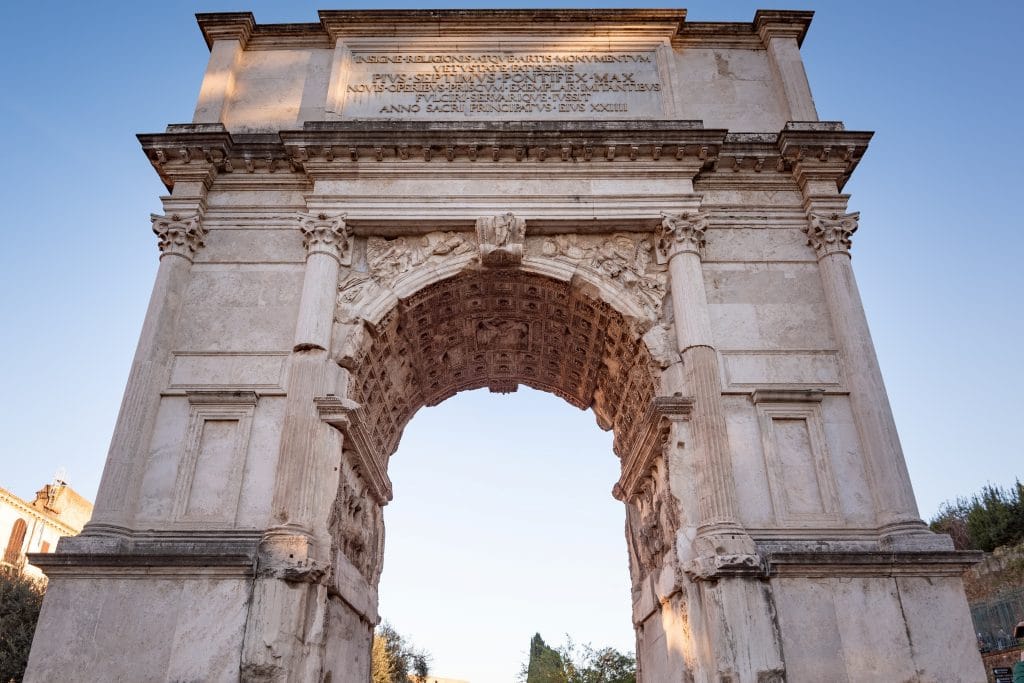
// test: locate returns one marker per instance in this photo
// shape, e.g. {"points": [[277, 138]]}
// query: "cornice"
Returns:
{"points": [[226, 26], [638, 457], [325, 149], [771, 23], [657, 24], [632, 22], [822, 150]]}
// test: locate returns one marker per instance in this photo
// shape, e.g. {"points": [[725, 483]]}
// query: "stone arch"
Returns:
{"points": [[465, 327]]}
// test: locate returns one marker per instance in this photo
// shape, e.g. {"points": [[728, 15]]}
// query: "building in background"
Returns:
{"points": [[34, 527]]}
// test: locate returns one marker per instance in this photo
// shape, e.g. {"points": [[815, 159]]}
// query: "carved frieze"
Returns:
{"points": [[390, 258], [831, 233], [501, 240], [177, 234], [627, 260]]}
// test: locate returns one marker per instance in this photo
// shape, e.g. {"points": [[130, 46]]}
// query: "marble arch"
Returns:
{"points": [[639, 213]]}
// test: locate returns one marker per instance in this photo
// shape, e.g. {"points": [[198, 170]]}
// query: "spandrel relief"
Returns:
{"points": [[390, 258], [625, 259]]}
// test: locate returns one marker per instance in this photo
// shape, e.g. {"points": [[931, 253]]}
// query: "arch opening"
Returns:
{"points": [[498, 329]]}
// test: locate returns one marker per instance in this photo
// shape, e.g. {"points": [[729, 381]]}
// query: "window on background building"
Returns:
{"points": [[45, 547], [13, 553]]}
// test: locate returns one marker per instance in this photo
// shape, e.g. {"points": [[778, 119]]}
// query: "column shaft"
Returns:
{"points": [[717, 489], [295, 489]]}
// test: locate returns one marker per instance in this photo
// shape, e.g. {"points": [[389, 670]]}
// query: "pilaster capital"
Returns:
{"points": [[683, 233], [325, 234], [829, 233], [179, 234]]}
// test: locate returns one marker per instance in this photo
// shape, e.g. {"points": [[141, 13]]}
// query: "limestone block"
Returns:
{"points": [[848, 464], [943, 650], [810, 631], [248, 245], [749, 470], [240, 308], [84, 620], [757, 244], [272, 87]]}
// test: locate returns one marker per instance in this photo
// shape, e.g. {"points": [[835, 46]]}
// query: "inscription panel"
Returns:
{"points": [[499, 84]]}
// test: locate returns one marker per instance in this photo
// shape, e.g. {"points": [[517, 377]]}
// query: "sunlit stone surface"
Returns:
{"points": [[639, 214]]}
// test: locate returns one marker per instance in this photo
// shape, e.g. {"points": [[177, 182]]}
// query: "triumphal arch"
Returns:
{"points": [[640, 214]]}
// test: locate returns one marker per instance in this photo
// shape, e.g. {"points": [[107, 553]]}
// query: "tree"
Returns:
{"points": [[569, 664], [991, 518], [393, 658], [20, 601], [545, 664]]}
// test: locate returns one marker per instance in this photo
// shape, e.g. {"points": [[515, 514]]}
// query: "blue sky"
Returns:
{"points": [[491, 539]]}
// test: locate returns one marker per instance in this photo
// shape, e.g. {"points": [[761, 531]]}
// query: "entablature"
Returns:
{"points": [[336, 149]]}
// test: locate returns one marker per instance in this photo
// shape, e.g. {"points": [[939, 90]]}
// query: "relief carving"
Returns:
{"points": [[652, 519], [357, 526], [501, 240], [390, 258], [623, 258]]}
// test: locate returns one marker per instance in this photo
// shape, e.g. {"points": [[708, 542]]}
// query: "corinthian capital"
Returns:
{"points": [[682, 232], [829, 233], [180, 235], [325, 234]]}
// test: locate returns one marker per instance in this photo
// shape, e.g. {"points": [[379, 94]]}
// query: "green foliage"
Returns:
{"points": [[991, 518], [545, 665], [20, 600], [570, 664], [394, 659]]}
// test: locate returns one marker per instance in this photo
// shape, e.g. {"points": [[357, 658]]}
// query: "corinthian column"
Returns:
{"points": [[180, 237], [294, 503], [683, 240], [829, 233]]}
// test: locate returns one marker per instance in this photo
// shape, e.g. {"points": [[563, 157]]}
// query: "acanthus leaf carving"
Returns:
{"points": [[501, 240], [682, 233], [830, 233], [178, 234], [325, 234]]}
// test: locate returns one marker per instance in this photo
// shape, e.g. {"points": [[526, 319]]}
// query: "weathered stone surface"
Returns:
{"points": [[639, 214]]}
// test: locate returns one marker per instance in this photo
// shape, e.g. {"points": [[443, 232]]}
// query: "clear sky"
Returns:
{"points": [[508, 527]]}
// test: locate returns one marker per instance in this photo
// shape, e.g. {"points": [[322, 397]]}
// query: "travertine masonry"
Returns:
{"points": [[634, 212]]}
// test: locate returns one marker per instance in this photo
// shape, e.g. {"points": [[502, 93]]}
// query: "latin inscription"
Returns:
{"points": [[496, 85]]}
